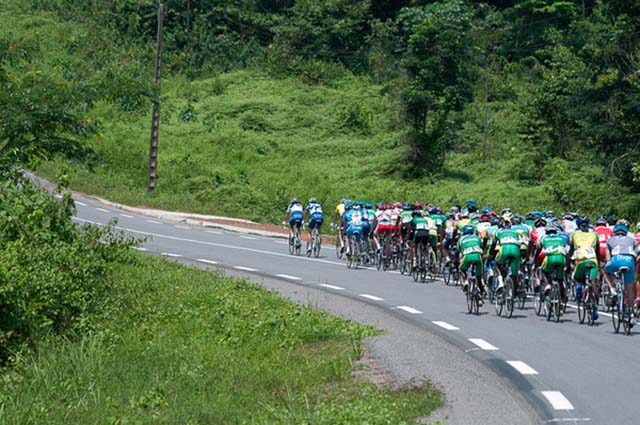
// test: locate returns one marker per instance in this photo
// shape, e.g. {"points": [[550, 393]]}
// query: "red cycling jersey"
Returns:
{"points": [[604, 233]]}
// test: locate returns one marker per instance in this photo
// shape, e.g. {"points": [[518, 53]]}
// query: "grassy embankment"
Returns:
{"points": [[190, 346]]}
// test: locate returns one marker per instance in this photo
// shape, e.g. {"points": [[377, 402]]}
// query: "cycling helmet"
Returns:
{"points": [[487, 210], [467, 230], [550, 228], [623, 221], [433, 210], [612, 220], [568, 216], [583, 221], [484, 218], [530, 216], [359, 203], [517, 219], [601, 221], [540, 222], [470, 203], [348, 205], [507, 216], [549, 214], [416, 213], [454, 209], [313, 200], [505, 224], [464, 213], [379, 204], [418, 205], [406, 206], [294, 200], [494, 220], [474, 216], [368, 204], [620, 229], [506, 211], [537, 214]]}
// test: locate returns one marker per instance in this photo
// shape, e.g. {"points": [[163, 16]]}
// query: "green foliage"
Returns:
{"points": [[53, 275], [189, 346]]}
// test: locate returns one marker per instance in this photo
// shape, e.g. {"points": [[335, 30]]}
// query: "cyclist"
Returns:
{"points": [[622, 252], [538, 232], [569, 224], [419, 231], [366, 222], [337, 217], [294, 215], [584, 247], [507, 242], [470, 248], [403, 220], [314, 216], [352, 222], [384, 228], [555, 250], [637, 238], [604, 233]]}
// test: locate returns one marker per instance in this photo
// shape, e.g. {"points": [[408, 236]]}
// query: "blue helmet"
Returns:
{"points": [[487, 210], [348, 205], [379, 204], [368, 204], [468, 230], [359, 203], [620, 228], [583, 220]]}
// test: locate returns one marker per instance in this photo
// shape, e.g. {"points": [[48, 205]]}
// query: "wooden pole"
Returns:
{"points": [[155, 117]]}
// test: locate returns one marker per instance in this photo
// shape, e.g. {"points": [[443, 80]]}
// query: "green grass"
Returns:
{"points": [[243, 143], [190, 346]]}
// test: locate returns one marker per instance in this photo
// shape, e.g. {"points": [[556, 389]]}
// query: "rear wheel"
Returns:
{"points": [[339, 248], [615, 317], [470, 297], [626, 319], [538, 302], [298, 243], [500, 297], [446, 275], [557, 302], [590, 304], [317, 245], [582, 309], [292, 244], [510, 297]]}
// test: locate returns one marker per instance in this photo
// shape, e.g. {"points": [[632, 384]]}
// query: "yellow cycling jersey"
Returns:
{"points": [[340, 209], [585, 245]]}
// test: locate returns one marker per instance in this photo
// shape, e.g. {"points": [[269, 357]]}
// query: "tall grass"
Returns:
{"points": [[190, 346]]}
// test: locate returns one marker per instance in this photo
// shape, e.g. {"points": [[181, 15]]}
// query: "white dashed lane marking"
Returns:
{"points": [[483, 344], [286, 276], [249, 237], [203, 260], [557, 400], [178, 226], [126, 215], [102, 209], [57, 196], [139, 248], [153, 222], [213, 232], [326, 285], [522, 367], [445, 325], [247, 269], [371, 297], [408, 309], [170, 254], [82, 204]]}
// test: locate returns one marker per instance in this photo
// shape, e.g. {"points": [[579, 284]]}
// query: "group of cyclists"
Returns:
{"points": [[558, 245]]}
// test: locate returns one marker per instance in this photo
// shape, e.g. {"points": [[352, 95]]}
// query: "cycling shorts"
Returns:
{"points": [[354, 230], [556, 262], [366, 228], [385, 229], [470, 259], [404, 229], [421, 236], [509, 253], [295, 220], [618, 261], [316, 220], [581, 269]]}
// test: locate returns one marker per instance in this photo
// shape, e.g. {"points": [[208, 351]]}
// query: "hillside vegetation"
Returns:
{"points": [[530, 104]]}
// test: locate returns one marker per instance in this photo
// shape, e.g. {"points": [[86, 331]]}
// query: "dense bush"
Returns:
{"points": [[53, 275]]}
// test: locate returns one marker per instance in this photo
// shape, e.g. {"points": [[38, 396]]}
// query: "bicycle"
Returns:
{"points": [[473, 292], [316, 243], [340, 242], [605, 295], [586, 302], [620, 310], [507, 297], [490, 279], [354, 257], [538, 298], [294, 242], [553, 302], [420, 270]]}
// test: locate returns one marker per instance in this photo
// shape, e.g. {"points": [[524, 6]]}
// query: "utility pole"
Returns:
{"points": [[155, 117]]}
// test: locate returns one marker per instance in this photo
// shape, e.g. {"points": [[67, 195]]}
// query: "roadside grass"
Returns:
{"points": [[189, 346]]}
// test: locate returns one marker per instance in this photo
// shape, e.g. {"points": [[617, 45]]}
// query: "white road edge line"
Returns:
{"points": [[204, 260], [445, 325], [522, 367], [326, 285], [102, 209], [178, 226], [408, 309], [139, 248], [247, 269], [602, 313], [82, 204], [483, 344], [558, 400], [249, 237], [153, 221], [170, 254], [286, 276], [126, 215], [57, 196], [371, 297]]}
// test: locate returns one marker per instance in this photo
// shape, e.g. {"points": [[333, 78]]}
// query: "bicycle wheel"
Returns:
{"points": [[309, 249], [339, 250], [298, 242], [292, 244], [380, 259], [491, 289], [356, 252], [522, 297], [626, 319], [548, 307], [590, 306], [538, 302], [446, 275], [317, 244], [499, 301], [433, 265], [616, 315], [476, 298], [510, 297], [557, 302], [582, 309]]}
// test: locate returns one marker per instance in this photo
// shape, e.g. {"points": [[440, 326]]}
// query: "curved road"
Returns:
{"points": [[567, 372]]}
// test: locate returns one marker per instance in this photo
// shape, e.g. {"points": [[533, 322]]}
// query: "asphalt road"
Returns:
{"points": [[565, 372]]}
